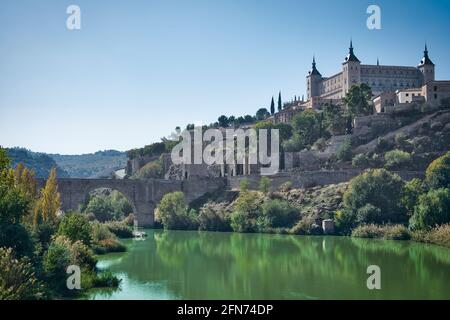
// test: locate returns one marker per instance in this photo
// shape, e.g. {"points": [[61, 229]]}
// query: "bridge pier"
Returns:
{"points": [[145, 215]]}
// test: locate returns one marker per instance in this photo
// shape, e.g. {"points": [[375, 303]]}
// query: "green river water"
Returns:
{"points": [[204, 265]]}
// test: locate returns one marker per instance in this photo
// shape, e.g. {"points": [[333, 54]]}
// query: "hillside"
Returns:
{"points": [[91, 165], [40, 162]]}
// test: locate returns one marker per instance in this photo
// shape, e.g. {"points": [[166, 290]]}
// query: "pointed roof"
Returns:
{"points": [[426, 59], [314, 70], [351, 55]]}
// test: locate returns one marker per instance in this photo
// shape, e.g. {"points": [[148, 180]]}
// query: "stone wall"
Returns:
{"points": [[309, 179]]}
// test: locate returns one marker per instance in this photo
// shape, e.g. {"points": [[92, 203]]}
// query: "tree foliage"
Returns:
{"points": [[49, 201], [358, 100]]}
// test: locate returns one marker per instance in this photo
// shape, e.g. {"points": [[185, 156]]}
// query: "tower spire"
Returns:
{"points": [[426, 59], [314, 70], [351, 55]]}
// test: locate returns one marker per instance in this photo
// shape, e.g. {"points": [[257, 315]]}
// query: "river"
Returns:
{"points": [[205, 265]]}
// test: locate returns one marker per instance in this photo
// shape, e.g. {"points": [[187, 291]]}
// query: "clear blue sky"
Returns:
{"points": [[137, 69]]}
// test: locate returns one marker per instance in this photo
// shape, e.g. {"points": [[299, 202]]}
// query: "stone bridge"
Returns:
{"points": [[142, 195]]}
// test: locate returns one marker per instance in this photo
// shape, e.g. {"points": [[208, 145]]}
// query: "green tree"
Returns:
{"points": [[438, 172], [433, 209], [272, 106], [223, 121], [245, 213], [76, 227], [380, 189], [307, 127], [174, 214], [262, 114], [411, 193], [334, 119], [344, 153], [280, 104], [358, 100]]}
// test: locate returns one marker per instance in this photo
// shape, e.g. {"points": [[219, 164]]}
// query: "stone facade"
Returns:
{"points": [[379, 77]]}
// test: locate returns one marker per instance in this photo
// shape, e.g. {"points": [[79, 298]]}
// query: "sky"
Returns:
{"points": [[137, 69]]}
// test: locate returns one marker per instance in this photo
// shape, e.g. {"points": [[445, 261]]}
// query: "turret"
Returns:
{"points": [[351, 70], [427, 67], [313, 81]]}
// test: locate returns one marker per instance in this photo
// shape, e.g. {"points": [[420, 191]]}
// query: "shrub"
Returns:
{"points": [[243, 185], [380, 189], [277, 214], [152, 170], [439, 235], [306, 226], [246, 210], [438, 173], [286, 187], [433, 209], [345, 221], [76, 227], [17, 278], [56, 260], [213, 218], [17, 237], [387, 232], [344, 152], [264, 185], [105, 241], [120, 229], [173, 213], [106, 207], [360, 161], [382, 145], [396, 159], [106, 279], [400, 139]]}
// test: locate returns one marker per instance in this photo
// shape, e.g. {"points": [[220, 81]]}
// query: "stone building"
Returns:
{"points": [[380, 78]]}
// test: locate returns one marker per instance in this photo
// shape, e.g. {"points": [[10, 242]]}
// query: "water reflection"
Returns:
{"points": [[202, 265]]}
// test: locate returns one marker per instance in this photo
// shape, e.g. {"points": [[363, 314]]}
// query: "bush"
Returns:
{"points": [[152, 170], [360, 161], [286, 187], [55, 263], [17, 237], [76, 227], [380, 189], [396, 159], [433, 209], [106, 279], [277, 214], [105, 241], [120, 229], [17, 278], [173, 213], [264, 185], [439, 235], [243, 185], [438, 173], [344, 152], [387, 232], [345, 221], [306, 226], [213, 218], [245, 212], [382, 145]]}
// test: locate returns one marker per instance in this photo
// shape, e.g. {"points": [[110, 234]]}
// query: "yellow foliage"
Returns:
{"points": [[49, 201]]}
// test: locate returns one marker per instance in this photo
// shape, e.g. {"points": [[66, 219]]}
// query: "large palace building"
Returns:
{"points": [[380, 78]]}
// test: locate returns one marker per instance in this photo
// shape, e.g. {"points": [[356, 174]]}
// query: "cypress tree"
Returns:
{"points": [[272, 106], [279, 102]]}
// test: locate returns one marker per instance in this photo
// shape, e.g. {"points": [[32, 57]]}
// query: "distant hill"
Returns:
{"points": [[92, 165], [40, 162]]}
